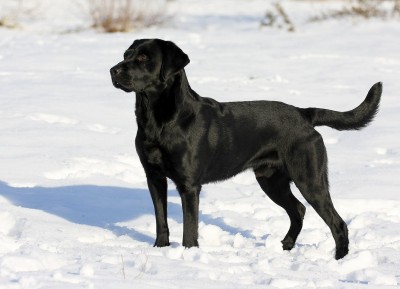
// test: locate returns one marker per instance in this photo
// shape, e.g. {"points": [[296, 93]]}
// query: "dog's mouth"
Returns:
{"points": [[121, 86]]}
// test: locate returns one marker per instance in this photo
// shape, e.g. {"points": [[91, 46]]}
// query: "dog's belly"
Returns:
{"points": [[226, 165]]}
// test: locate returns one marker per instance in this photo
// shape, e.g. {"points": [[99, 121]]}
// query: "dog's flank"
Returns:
{"points": [[195, 140]]}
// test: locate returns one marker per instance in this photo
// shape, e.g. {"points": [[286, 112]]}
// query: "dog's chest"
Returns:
{"points": [[172, 159], [170, 149], [161, 156], [153, 154]]}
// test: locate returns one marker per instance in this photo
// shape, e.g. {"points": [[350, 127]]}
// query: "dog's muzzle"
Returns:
{"points": [[115, 75]]}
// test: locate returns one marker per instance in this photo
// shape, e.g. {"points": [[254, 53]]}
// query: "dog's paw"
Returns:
{"points": [[341, 252], [190, 244], [162, 242], [287, 244]]}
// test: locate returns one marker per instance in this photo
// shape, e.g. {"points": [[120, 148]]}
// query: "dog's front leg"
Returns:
{"points": [[190, 206], [158, 190]]}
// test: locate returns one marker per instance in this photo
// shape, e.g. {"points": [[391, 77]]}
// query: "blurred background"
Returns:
{"points": [[131, 15]]}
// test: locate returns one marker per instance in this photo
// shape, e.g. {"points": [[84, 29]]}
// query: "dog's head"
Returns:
{"points": [[148, 63]]}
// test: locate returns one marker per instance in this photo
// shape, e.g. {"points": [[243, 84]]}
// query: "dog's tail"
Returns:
{"points": [[354, 119]]}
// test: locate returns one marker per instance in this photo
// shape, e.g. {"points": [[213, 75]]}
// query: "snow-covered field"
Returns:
{"points": [[74, 208]]}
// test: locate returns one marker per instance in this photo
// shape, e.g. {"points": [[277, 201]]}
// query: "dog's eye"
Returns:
{"points": [[142, 58]]}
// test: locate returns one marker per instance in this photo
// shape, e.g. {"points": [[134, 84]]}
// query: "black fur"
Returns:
{"points": [[195, 140]]}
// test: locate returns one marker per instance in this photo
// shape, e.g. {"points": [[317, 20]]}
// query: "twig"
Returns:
{"points": [[123, 267]]}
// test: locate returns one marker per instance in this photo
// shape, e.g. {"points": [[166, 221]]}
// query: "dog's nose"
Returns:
{"points": [[115, 70]]}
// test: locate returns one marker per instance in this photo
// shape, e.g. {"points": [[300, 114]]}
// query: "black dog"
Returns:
{"points": [[195, 140]]}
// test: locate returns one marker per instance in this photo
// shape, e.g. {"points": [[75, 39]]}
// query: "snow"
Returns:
{"points": [[74, 208]]}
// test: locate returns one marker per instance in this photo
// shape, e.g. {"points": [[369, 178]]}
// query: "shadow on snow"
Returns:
{"points": [[101, 206]]}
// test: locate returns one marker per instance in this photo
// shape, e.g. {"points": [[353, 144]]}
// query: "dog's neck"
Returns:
{"points": [[165, 102]]}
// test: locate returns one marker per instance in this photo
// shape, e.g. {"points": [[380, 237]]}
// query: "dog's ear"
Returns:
{"points": [[174, 59]]}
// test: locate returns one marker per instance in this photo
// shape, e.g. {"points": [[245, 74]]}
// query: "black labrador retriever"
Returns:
{"points": [[194, 140]]}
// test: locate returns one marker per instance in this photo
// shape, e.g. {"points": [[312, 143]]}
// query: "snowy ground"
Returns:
{"points": [[74, 208]]}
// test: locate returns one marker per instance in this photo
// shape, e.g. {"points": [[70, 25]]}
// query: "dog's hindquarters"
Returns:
{"points": [[307, 167]]}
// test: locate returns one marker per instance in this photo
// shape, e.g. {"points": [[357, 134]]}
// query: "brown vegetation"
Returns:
{"points": [[126, 15]]}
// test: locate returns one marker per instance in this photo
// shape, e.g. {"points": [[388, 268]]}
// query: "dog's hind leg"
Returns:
{"points": [[319, 199], [307, 165], [277, 187]]}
